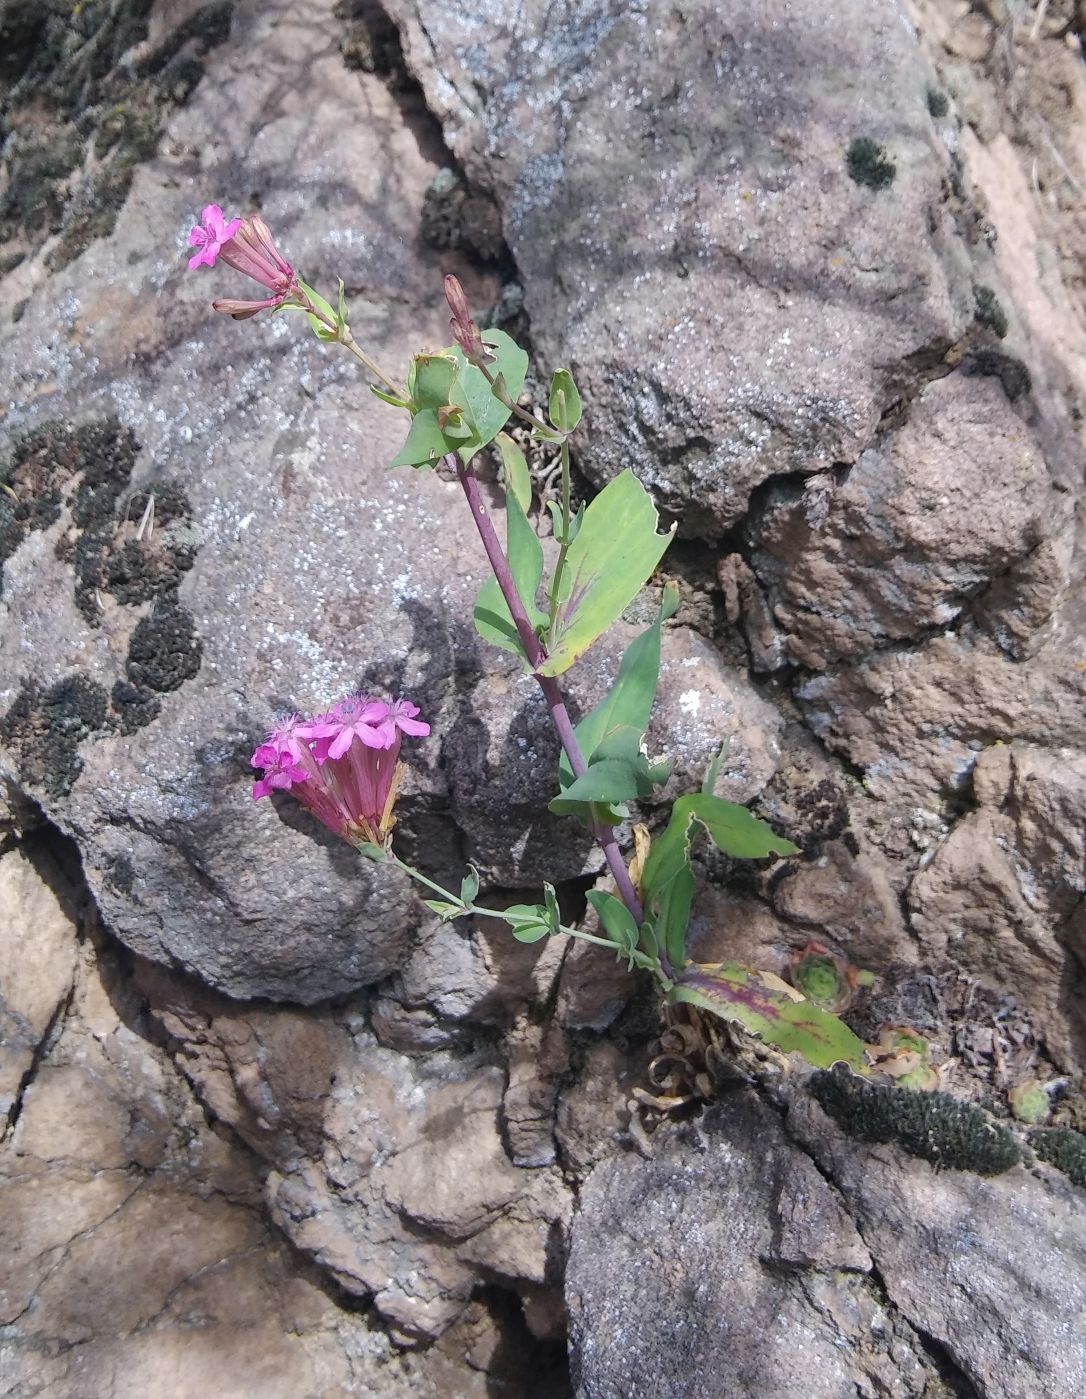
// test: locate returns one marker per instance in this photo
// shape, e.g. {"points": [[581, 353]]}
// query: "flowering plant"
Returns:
{"points": [[343, 765]]}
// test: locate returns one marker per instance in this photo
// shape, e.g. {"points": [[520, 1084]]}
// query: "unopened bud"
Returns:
{"points": [[464, 330]]}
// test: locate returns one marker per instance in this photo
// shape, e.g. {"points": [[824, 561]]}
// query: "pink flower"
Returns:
{"points": [[281, 771], [343, 765], [209, 235], [403, 716], [252, 251], [357, 717]]}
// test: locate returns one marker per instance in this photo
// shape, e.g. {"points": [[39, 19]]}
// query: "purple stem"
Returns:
{"points": [[534, 650]]}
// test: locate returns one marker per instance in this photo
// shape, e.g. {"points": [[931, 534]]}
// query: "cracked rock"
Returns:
{"points": [[728, 1255], [756, 315]]}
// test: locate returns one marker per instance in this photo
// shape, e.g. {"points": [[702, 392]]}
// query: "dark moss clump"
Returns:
{"points": [[1063, 1148], [938, 105], [41, 465], [372, 42], [933, 1126], [73, 88], [164, 651], [990, 311], [455, 216], [134, 707], [46, 728], [869, 164], [136, 570], [1011, 372]]}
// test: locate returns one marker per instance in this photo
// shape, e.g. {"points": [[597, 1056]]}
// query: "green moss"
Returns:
{"points": [[869, 164], [1063, 1148], [933, 1126], [990, 312]]}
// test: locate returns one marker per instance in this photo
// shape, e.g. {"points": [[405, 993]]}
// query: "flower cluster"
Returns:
{"points": [[343, 765], [247, 246]]}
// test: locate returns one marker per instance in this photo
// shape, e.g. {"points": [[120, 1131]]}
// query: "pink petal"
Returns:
{"points": [[414, 727], [382, 736], [340, 743], [261, 789]]}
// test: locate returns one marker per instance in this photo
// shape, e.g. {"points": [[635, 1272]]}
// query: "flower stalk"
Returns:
{"points": [[536, 654]]}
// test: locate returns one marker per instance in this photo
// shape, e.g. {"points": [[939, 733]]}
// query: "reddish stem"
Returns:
{"points": [[536, 654]]}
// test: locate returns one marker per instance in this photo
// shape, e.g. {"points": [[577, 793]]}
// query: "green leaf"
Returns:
{"points": [[712, 772], [394, 399], [618, 772], [445, 911], [735, 831], [649, 941], [738, 994], [613, 555], [342, 316], [616, 920], [425, 444], [431, 379], [530, 922], [554, 916], [666, 881], [518, 481], [530, 932], [469, 885], [565, 401], [372, 852], [628, 703], [318, 300], [473, 394], [671, 909], [614, 731], [493, 620]]}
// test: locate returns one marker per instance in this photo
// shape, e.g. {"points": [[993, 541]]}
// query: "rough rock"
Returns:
{"points": [[998, 1239], [762, 307], [914, 720], [38, 953], [759, 1278], [390, 1172], [1005, 891], [959, 497], [136, 1256], [780, 1272]]}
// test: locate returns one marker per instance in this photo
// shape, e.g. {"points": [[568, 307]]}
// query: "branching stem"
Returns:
{"points": [[536, 654]]}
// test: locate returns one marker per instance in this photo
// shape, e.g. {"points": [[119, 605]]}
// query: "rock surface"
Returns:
{"points": [[136, 1255], [865, 392], [779, 1272], [762, 305]]}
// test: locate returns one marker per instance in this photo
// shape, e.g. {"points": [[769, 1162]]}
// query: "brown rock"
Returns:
{"points": [[1003, 895], [956, 498], [38, 956]]}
